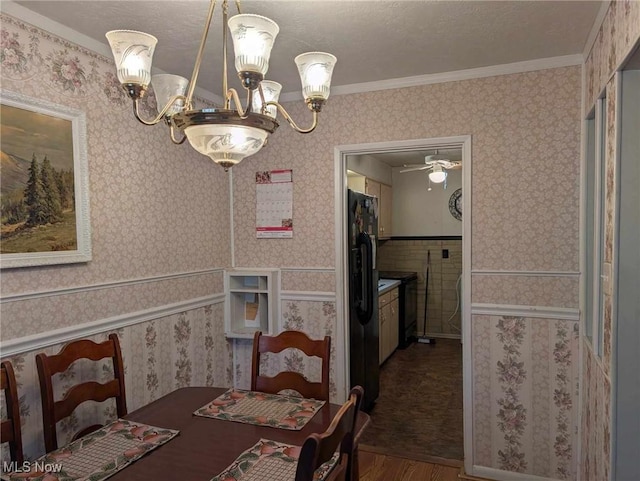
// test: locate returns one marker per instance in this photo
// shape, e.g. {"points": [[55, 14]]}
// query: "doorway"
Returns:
{"points": [[342, 154]]}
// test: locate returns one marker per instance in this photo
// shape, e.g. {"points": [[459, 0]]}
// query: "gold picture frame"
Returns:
{"points": [[45, 183]]}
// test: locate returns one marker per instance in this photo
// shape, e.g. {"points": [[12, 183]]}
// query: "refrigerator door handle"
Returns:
{"points": [[365, 246]]}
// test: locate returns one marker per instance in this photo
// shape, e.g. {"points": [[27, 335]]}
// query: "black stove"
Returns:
{"points": [[408, 300]]}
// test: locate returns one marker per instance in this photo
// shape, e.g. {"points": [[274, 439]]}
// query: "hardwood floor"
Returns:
{"points": [[382, 467]]}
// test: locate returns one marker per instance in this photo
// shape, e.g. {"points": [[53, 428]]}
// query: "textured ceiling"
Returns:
{"points": [[373, 40]]}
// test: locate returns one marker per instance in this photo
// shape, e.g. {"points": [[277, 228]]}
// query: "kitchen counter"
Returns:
{"points": [[385, 285]]}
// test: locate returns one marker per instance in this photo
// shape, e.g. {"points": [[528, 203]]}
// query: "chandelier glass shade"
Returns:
{"points": [[165, 86], [228, 133]]}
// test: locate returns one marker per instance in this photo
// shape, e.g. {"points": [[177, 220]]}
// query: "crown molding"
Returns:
{"points": [[595, 28], [60, 30], [473, 73]]}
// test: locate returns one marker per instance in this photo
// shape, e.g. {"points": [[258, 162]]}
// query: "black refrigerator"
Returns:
{"points": [[364, 330]]}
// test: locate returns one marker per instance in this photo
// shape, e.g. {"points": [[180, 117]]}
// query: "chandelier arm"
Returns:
{"points": [[263, 102], [196, 67], [233, 94], [238, 6], [173, 135], [160, 116], [292, 123]]}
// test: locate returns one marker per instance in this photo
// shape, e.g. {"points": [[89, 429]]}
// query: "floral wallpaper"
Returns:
{"points": [[617, 37], [509, 117], [160, 235], [146, 223], [148, 197], [525, 395], [42, 314], [311, 280], [518, 224], [186, 349], [523, 290]]}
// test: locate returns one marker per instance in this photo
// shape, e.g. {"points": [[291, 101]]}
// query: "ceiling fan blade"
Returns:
{"points": [[412, 169], [455, 167]]}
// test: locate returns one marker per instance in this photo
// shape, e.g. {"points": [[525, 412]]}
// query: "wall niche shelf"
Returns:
{"points": [[251, 305]]}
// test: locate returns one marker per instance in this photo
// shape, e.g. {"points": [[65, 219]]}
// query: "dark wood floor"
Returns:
{"points": [[418, 414]]}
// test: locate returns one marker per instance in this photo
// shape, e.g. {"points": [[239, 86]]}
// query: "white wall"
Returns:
{"points": [[418, 212], [370, 167]]}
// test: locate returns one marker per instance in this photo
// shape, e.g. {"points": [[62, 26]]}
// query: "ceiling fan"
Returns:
{"points": [[435, 163]]}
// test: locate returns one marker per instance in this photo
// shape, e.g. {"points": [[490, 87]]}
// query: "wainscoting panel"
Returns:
{"points": [[525, 395]]}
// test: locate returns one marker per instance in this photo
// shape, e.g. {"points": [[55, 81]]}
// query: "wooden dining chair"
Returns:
{"points": [[54, 411], [339, 436], [10, 428], [290, 379]]}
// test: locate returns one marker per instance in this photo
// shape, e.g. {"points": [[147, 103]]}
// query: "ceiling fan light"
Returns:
{"points": [[253, 37], [133, 54], [437, 175], [315, 69], [271, 91], [226, 144], [166, 86]]}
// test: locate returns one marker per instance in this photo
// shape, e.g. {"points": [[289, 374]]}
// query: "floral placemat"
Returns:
{"points": [[262, 409], [98, 455], [270, 461]]}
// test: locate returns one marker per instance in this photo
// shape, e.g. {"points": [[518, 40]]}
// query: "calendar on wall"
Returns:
{"points": [[274, 204]]}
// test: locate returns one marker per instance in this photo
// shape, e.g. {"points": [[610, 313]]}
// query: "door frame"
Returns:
{"points": [[342, 294]]}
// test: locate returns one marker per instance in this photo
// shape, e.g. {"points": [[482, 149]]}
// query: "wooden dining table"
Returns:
{"points": [[206, 446]]}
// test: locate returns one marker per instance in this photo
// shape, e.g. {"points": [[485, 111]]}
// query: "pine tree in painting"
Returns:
{"points": [[51, 199], [34, 195], [65, 198]]}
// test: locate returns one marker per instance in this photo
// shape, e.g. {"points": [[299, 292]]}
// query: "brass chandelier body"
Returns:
{"points": [[232, 132]]}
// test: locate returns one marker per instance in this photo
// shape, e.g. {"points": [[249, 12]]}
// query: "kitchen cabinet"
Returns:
{"points": [[388, 309], [251, 302], [384, 221]]}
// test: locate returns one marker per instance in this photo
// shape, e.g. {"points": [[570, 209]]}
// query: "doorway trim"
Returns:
{"points": [[342, 294]]}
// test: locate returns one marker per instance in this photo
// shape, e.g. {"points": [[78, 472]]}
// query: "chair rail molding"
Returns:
{"points": [[105, 285], [41, 340], [498, 272], [313, 296], [543, 312]]}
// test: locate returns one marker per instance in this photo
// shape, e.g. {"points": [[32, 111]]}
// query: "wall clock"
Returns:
{"points": [[455, 204]]}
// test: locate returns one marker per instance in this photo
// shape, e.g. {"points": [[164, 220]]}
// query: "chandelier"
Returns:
{"points": [[232, 132]]}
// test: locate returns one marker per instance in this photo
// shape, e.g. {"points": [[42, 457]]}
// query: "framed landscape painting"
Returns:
{"points": [[44, 183]]}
